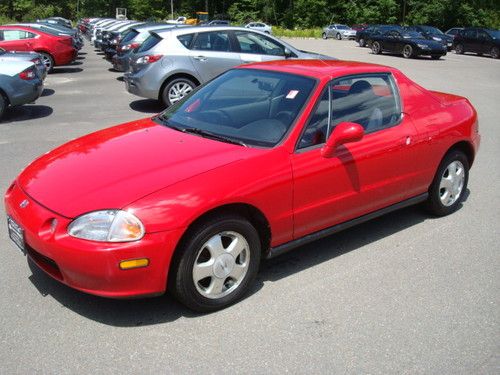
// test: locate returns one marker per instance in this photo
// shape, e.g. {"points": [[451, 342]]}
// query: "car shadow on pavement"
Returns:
{"points": [[340, 243], [66, 70], [26, 112], [47, 92], [147, 106]]}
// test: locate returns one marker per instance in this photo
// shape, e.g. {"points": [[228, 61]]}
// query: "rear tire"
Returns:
{"points": [[376, 48], [459, 49], [338, 36], [447, 190], [3, 106], [408, 51], [48, 61], [324, 36], [175, 90], [435, 57], [216, 264], [495, 52], [362, 42]]}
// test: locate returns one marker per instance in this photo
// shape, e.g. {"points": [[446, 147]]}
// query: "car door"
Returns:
{"points": [[470, 40], [17, 40], [212, 54], [255, 47], [484, 42], [363, 176]]}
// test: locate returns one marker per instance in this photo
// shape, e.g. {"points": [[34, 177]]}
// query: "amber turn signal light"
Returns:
{"points": [[134, 263]]}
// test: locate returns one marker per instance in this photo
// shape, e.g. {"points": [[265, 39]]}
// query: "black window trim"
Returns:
{"points": [[393, 86]]}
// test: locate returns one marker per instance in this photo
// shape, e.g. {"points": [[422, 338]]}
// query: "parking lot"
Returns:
{"points": [[405, 293]]}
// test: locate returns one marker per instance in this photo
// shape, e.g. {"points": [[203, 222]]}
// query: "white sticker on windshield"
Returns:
{"points": [[292, 94]]}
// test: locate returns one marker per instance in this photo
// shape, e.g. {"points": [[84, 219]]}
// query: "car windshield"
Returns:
{"points": [[243, 106], [494, 33], [431, 30], [412, 35], [342, 27]]}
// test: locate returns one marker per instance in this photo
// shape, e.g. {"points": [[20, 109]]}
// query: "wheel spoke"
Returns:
{"points": [[446, 183], [216, 286], [238, 271], [203, 270], [236, 247], [215, 246]]}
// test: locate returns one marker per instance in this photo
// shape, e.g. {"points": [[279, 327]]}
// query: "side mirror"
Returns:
{"points": [[287, 53], [345, 132]]}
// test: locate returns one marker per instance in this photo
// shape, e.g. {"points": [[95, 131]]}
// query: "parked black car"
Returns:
{"points": [[478, 40], [408, 43], [433, 33], [364, 37]]}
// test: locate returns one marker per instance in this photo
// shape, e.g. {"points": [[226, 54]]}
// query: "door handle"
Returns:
{"points": [[200, 58]]}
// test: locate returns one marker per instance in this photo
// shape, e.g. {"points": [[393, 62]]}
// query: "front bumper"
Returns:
{"points": [[89, 266]]}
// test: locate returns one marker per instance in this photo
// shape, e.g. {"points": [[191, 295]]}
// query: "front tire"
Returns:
{"points": [[324, 36], [175, 90], [407, 51], [376, 49], [216, 263], [338, 36], [435, 57], [447, 190], [459, 49], [362, 42]]}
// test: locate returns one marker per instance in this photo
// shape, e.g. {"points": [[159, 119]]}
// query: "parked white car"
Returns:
{"points": [[338, 31], [260, 26]]}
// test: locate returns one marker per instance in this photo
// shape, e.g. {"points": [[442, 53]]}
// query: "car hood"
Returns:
{"points": [[431, 43], [117, 166]]}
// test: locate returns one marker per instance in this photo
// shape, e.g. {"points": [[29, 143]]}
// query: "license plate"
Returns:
{"points": [[16, 234]]}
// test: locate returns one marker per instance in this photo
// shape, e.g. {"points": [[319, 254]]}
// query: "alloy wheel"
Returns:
{"points": [[47, 61], [452, 183], [178, 91], [221, 264], [407, 51]]}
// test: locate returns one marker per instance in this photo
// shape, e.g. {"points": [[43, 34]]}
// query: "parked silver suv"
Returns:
{"points": [[172, 62]]}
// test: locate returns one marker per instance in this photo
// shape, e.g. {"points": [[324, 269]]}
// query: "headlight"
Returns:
{"points": [[423, 46], [107, 226], [436, 38]]}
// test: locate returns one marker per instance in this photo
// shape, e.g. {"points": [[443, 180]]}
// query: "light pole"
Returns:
{"points": [[172, 8]]}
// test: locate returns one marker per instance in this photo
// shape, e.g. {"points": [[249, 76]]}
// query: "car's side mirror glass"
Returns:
{"points": [[287, 53], [345, 132]]}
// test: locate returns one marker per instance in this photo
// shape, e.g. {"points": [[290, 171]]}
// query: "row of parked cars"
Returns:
{"points": [[419, 40], [28, 51], [165, 61]]}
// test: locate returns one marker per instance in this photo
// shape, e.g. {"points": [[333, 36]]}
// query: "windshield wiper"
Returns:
{"points": [[218, 137], [200, 132]]}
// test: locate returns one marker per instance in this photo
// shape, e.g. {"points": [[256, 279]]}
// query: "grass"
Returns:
{"points": [[299, 33]]}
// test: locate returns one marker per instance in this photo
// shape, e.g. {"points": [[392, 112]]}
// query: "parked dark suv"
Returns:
{"points": [[478, 40]]}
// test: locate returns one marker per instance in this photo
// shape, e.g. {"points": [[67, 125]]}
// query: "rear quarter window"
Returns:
{"points": [[186, 39], [149, 43]]}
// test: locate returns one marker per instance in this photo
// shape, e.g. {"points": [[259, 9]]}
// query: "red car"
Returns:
{"points": [[263, 159], [55, 50]]}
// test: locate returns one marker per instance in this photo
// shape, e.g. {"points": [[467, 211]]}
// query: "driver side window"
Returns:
{"points": [[258, 44]]}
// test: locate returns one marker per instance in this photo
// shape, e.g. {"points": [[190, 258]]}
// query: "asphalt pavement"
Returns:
{"points": [[403, 294]]}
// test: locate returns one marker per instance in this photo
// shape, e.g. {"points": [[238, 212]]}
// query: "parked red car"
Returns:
{"points": [[262, 159], [55, 50]]}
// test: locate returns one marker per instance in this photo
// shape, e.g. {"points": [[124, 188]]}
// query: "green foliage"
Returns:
{"points": [[287, 14], [299, 33]]}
